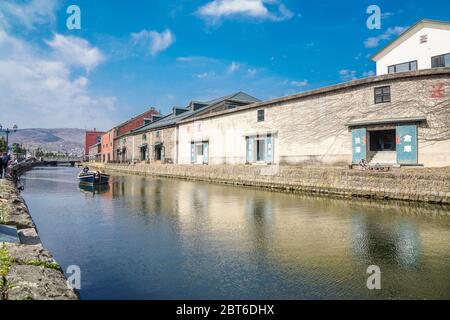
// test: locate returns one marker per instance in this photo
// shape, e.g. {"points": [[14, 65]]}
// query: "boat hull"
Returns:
{"points": [[94, 179]]}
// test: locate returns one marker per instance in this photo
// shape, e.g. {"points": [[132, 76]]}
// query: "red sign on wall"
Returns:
{"points": [[437, 91]]}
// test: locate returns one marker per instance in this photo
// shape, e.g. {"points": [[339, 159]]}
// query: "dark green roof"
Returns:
{"points": [[172, 119]]}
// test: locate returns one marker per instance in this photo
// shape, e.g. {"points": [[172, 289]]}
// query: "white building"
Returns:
{"points": [[423, 46]]}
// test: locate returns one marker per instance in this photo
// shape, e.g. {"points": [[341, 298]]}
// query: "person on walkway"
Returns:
{"points": [[1, 165], [5, 159]]}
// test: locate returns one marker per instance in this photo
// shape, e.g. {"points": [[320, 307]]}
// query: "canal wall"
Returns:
{"points": [[420, 185], [17, 170], [27, 270]]}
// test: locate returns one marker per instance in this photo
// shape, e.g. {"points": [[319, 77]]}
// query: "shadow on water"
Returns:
{"points": [[150, 238]]}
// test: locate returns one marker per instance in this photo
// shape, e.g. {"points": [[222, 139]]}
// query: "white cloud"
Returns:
{"points": [[386, 15], [369, 73], [29, 14], [347, 75], [233, 67], [191, 59], [252, 72], [204, 75], [76, 51], [156, 42], [303, 83], [374, 42], [40, 89], [259, 9]]}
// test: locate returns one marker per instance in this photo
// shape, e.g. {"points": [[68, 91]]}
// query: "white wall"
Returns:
{"points": [[411, 49], [313, 130]]}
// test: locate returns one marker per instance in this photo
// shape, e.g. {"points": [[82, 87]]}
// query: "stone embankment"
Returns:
{"points": [[27, 270], [421, 185]]}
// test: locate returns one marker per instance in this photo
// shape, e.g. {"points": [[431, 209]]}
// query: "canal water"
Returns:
{"points": [[151, 238]]}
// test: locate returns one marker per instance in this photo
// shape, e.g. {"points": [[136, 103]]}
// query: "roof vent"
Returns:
{"points": [[177, 111], [423, 38], [194, 106]]}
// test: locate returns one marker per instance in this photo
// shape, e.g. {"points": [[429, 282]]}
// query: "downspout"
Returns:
{"points": [[132, 153], [176, 143]]}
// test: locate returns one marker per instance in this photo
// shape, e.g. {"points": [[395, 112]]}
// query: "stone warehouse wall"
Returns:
{"points": [[27, 270], [423, 185], [167, 137], [311, 128]]}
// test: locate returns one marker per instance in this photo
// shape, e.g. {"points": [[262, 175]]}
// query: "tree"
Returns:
{"points": [[2, 144], [39, 153], [17, 149]]}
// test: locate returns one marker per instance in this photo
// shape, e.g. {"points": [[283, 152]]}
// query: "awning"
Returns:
{"points": [[367, 122], [203, 140], [261, 133]]}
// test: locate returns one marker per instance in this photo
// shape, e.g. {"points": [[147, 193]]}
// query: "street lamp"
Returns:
{"points": [[8, 131]]}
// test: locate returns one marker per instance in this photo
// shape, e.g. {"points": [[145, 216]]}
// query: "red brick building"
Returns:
{"points": [[135, 122], [124, 128], [91, 138]]}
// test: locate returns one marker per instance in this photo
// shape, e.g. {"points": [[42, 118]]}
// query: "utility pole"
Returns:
{"points": [[8, 131]]}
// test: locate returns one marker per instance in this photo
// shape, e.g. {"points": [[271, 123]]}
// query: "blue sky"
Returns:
{"points": [[130, 55]]}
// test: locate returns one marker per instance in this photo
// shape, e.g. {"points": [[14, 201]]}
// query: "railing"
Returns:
{"points": [[62, 159]]}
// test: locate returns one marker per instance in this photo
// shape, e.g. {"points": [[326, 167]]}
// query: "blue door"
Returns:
{"points": [[359, 145], [250, 149], [205, 152], [269, 152], [407, 144], [192, 152]]}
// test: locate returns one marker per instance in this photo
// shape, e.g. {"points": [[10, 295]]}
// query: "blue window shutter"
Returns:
{"points": [[249, 149], [407, 144], [205, 152], [269, 151], [359, 145], [163, 153], [192, 152]]}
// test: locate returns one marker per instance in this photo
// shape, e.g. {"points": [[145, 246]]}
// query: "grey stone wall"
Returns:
{"points": [[167, 137], [422, 185], [27, 270]]}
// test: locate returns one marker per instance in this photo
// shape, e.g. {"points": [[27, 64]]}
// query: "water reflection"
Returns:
{"points": [[93, 189], [196, 240]]}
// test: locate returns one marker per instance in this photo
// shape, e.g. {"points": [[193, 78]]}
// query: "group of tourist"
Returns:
{"points": [[5, 161]]}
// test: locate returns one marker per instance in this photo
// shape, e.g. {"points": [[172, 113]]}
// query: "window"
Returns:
{"points": [[383, 94], [403, 67], [261, 116], [158, 134], [440, 61]]}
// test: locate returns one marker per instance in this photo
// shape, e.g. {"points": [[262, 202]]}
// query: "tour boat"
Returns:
{"points": [[94, 178]]}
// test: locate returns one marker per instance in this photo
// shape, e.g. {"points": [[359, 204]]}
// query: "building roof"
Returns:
{"points": [[237, 96], [424, 23], [172, 118], [136, 117], [378, 80]]}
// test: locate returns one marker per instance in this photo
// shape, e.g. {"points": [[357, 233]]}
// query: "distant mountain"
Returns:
{"points": [[51, 140]]}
